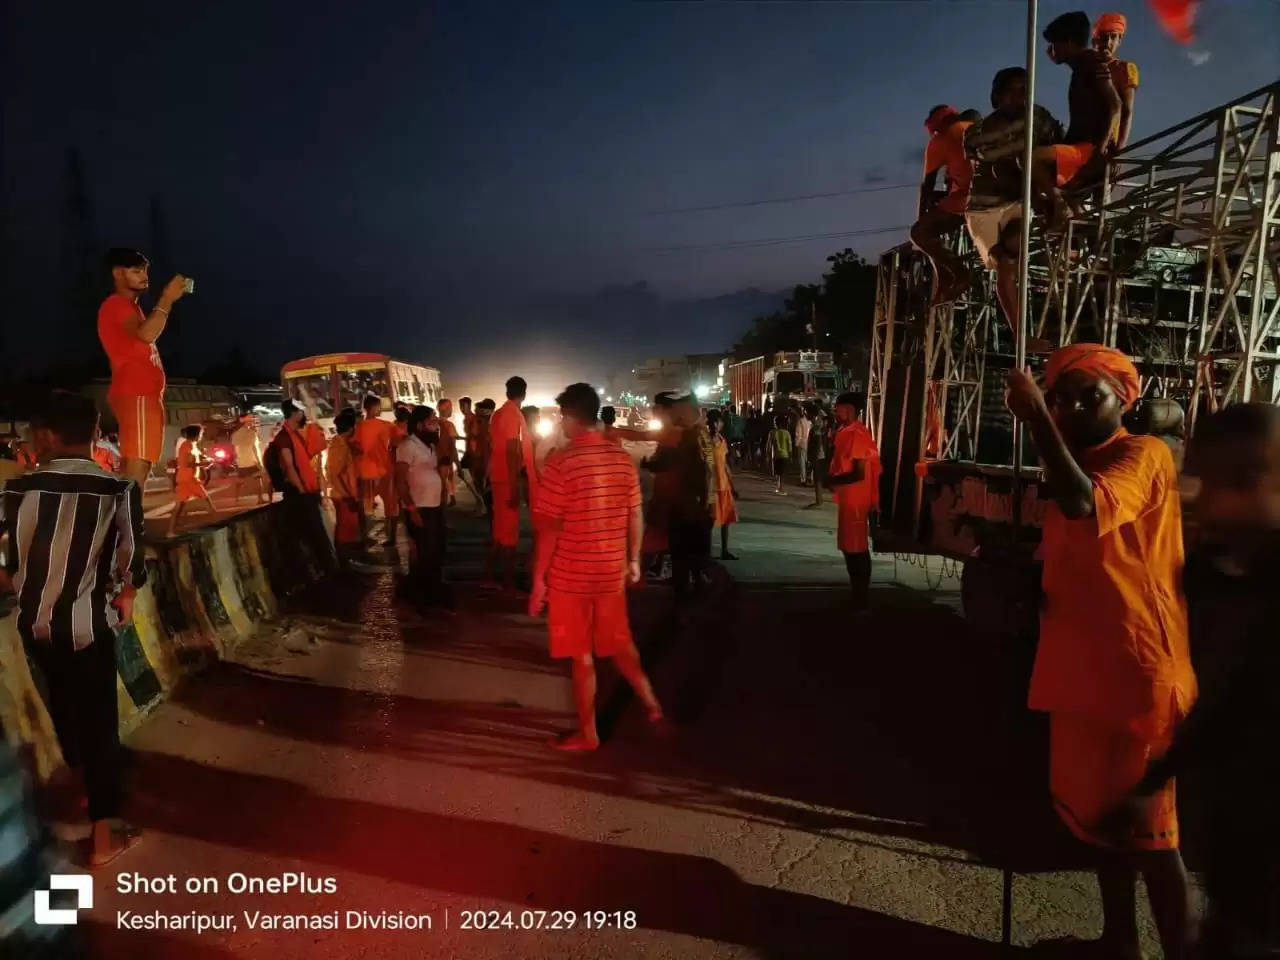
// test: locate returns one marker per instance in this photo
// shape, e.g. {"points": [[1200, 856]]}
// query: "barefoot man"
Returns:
{"points": [[511, 450], [590, 522], [1113, 668], [1095, 114], [128, 335], [934, 217]]}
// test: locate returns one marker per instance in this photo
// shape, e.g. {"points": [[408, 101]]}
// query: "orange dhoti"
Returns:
{"points": [[1093, 768], [140, 421], [189, 488], [588, 624], [1070, 158], [505, 518]]}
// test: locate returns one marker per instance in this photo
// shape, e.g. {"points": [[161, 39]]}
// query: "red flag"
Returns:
{"points": [[1177, 17]]}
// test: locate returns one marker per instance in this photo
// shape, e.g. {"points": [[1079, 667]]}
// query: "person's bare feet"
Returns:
{"points": [[576, 742], [660, 726], [107, 842]]}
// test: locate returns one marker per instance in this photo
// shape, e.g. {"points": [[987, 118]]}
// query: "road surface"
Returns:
{"points": [[836, 788]]}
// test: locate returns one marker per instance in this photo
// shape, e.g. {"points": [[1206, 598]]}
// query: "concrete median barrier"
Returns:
{"points": [[206, 592]]}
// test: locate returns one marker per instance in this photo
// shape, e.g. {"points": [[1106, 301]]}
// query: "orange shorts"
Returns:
{"points": [[1093, 768], [506, 519], [588, 624], [189, 490], [1070, 158], [140, 421]]}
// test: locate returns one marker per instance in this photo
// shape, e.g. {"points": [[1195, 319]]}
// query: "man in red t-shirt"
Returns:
{"points": [[128, 335], [590, 523]]}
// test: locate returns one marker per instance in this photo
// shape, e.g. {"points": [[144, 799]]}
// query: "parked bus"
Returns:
{"points": [[325, 384]]}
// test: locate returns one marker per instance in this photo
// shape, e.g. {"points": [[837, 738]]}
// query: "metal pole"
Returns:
{"points": [[1024, 259]]}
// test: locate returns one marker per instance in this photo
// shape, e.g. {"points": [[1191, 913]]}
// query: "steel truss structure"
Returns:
{"points": [[1175, 259]]}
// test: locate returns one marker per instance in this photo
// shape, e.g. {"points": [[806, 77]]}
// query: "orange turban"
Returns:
{"points": [[1105, 363], [1110, 23]]}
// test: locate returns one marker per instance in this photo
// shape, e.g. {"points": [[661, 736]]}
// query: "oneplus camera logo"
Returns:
{"points": [[81, 883]]}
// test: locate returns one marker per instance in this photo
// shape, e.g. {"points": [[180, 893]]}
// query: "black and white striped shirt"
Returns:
{"points": [[73, 530]]}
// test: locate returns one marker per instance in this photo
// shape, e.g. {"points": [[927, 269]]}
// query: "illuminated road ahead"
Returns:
{"points": [[831, 792]]}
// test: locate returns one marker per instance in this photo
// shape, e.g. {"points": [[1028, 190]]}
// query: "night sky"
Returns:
{"points": [[485, 187]]}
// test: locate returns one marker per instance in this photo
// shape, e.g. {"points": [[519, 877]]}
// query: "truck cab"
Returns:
{"points": [[801, 376]]}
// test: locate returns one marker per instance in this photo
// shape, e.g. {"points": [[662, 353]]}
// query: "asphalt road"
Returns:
{"points": [[836, 787]]}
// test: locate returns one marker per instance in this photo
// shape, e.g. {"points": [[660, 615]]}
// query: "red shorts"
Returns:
{"points": [[506, 519], [1070, 158], [140, 421], [588, 624]]}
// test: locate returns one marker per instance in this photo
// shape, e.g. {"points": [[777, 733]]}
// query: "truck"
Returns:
{"points": [[774, 382]]}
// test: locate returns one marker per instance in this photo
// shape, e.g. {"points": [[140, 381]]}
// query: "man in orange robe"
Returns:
{"points": [[854, 478], [128, 336], [373, 464], [511, 450], [1113, 667]]}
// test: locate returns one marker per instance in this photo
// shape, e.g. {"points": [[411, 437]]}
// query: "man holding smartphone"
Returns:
{"points": [[128, 335]]}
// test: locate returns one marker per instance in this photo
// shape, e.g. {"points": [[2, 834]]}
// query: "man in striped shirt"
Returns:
{"points": [[74, 534], [589, 522]]}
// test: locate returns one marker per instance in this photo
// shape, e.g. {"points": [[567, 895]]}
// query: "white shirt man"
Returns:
{"points": [[803, 426], [425, 485]]}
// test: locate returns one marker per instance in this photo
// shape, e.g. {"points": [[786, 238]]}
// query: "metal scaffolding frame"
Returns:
{"points": [[1174, 259]]}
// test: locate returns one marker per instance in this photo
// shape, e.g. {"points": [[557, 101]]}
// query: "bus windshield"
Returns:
{"points": [[312, 392], [355, 385]]}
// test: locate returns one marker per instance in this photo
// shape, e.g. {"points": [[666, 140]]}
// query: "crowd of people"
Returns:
{"points": [[982, 158], [1119, 622]]}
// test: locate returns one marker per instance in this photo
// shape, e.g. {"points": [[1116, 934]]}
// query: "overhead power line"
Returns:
{"points": [[776, 241], [795, 199]]}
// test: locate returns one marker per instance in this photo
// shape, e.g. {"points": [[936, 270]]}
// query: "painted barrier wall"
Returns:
{"points": [[205, 592]]}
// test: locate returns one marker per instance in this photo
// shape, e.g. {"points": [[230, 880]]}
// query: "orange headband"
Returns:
{"points": [[1103, 362], [1110, 23]]}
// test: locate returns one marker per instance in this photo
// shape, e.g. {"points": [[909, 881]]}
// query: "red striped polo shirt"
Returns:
{"points": [[591, 487]]}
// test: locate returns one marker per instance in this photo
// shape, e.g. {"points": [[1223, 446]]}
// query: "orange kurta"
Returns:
{"points": [[1113, 667], [855, 501], [373, 438], [725, 506]]}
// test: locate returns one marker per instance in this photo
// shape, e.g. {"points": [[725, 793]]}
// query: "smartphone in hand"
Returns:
{"points": [[190, 285]]}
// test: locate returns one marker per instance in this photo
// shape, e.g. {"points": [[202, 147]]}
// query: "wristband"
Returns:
{"points": [[163, 310]]}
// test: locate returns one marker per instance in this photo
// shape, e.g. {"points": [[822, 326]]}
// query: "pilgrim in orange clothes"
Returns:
{"points": [[187, 485], [854, 478], [937, 217], [373, 464], [510, 452], [1113, 668], [1095, 114], [589, 521], [1108, 31], [344, 489], [726, 507]]}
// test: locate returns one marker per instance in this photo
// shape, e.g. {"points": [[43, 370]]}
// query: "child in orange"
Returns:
{"points": [[187, 479]]}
